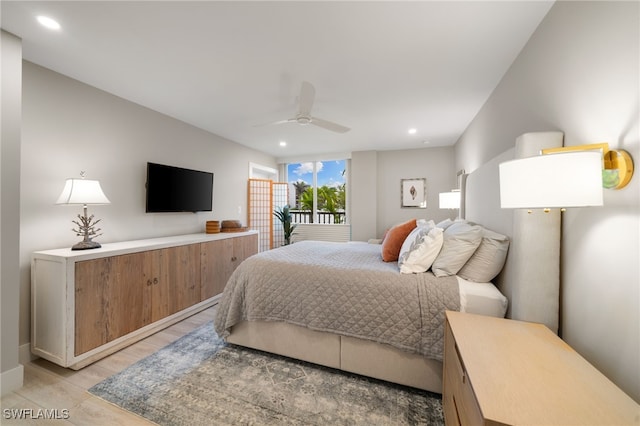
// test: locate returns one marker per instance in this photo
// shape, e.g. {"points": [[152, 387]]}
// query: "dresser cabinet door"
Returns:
{"points": [[217, 266], [180, 279], [220, 258], [244, 247], [112, 297]]}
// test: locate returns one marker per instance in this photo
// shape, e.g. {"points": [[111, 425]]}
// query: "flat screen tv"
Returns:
{"points": [[174, 189]]}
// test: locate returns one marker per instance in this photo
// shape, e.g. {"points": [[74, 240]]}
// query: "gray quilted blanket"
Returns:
{"points": [[342, 288]]}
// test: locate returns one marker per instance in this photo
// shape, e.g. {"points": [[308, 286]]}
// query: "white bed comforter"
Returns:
{"points": [[342, 288]]}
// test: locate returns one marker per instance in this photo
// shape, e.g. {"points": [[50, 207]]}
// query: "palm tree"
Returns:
{"points": [[306, 199], [300, 187], [342, 197], [326, 198], [330, 199]]}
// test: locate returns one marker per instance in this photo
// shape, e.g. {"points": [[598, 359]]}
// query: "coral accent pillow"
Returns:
{"points": [[393, 240]]}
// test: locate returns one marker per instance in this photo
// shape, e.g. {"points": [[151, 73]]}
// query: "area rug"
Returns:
{"points": [[201, 380]]}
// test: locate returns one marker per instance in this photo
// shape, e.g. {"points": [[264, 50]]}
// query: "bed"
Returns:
{"points": [[341, 306]]}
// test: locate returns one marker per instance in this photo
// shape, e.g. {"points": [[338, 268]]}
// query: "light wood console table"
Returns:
{"points": [[87, 304]]}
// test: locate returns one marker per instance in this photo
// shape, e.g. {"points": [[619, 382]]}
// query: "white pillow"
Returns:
{"points": [[445, 223], [461, 239], [420, 249], [488, 259], [425, 223]]}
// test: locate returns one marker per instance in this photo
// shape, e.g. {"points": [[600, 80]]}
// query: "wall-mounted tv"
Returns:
{"points": [[174, 189]]}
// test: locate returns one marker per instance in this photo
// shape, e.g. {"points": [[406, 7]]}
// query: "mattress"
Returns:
{"points": [[481, 299]]}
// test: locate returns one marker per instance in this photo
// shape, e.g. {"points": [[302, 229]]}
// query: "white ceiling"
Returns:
{"points": [[379, 68]]}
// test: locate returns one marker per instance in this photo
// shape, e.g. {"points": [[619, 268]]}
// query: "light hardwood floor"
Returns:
{"points": [[49, 386]]}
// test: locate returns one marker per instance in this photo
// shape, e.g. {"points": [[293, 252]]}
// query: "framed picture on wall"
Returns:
{"points": [[413, 193]]}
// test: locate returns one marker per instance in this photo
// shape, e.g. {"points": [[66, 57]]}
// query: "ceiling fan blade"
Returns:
{"points": [[288, 120], [305, 103], [329, 125], [307, 96]]}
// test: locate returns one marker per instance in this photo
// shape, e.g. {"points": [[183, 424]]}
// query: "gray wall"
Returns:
{"points": [[363, 196], [69, 126], [11, 61], [375, 187], [579, 74]]}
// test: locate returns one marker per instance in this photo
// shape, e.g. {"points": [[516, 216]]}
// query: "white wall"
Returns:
{"points": [[69, 126], [375, 187], [434, 164], [363, 195], [579, 74], [11, 60]]}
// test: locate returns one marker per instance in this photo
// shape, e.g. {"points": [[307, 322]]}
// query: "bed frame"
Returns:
{"points": [[532, 287]]}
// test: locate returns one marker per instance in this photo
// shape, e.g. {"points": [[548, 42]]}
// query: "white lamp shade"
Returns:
{"points": [[450, 200], [552, 181], [82, 191]]}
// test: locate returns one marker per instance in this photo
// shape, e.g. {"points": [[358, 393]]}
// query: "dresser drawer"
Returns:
{"points": [[460, 405]]}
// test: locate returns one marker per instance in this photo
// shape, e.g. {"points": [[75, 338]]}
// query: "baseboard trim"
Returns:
{"points": [[11, 380], [24, 354]]}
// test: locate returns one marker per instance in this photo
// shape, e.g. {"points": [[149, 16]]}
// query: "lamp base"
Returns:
{"points": [[86, 245]]}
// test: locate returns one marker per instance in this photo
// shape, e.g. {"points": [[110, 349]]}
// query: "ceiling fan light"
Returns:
{"points": [[303, 120]]}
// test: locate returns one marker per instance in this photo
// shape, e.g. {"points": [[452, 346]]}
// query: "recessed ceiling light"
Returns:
{"points": [[47, 22], [283, 143], [412, 131]]}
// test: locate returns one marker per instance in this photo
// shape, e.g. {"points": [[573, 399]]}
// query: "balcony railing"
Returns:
{"points": [[306, 216]]}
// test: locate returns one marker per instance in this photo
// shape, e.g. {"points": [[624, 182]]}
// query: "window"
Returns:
{"points": [[317, 191]]}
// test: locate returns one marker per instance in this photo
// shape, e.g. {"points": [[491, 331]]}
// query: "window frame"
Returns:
{"points": [[314, 184]]}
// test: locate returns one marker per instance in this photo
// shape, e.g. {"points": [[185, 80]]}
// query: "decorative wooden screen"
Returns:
{"points": [[280, 191], [264, 196], [259, 209]]}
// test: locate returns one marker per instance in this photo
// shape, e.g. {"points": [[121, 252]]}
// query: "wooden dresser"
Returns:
{"points": [[87, 304], [504, 372]]}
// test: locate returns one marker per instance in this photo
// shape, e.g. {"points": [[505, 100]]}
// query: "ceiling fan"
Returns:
{"points": [[304, 117]]}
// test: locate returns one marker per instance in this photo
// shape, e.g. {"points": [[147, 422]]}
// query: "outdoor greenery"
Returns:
{"points": [[330, 199]]}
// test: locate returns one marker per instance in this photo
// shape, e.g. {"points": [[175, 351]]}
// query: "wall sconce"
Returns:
{"points": [[552, 181], [450, 200], [564, 177], [83, 191], [617, 165]]}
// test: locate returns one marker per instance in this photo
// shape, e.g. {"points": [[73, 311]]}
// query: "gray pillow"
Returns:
{"points": [[461, 239], [488, 259]]}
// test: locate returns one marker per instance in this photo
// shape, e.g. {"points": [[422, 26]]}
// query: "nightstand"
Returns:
{"points": [[505, 372]]}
